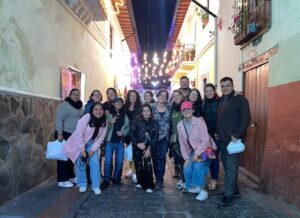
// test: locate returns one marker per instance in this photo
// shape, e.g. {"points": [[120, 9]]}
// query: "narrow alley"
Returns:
{"points": [[127, 201]]}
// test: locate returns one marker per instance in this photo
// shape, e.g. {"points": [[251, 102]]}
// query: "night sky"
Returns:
{"points": [[153, 20]]}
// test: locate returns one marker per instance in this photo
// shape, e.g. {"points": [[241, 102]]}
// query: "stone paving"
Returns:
{"points": [[48, 200]]}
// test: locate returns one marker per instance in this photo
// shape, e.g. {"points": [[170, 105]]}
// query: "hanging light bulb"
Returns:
{"points": [[165, 54]]}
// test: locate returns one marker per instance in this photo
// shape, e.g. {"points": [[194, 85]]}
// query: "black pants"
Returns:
{"points": [[65, 169], [143, 169], [231, 168]]}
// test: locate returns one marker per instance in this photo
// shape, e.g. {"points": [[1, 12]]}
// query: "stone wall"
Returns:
{"points": [[26, 125]]}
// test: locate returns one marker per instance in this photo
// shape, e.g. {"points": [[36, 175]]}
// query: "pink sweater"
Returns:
{"points": [[83, 133], [198, 137]]}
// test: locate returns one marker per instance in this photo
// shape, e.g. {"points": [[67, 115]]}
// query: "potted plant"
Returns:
{"points": [[203, 16]]}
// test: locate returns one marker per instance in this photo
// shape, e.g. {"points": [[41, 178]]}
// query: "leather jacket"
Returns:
{"points": [[138, 130]]}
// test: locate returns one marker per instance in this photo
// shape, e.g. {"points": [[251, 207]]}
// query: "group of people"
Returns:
{"points": [[184, 125]]}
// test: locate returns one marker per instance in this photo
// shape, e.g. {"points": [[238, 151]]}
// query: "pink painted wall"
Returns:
{"points": [[281, 163]]}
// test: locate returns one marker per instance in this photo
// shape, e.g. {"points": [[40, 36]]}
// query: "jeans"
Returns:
{"points": [[159, 160], [178, 160], [195, 172], [214, 165], [94, 164], [119, 157]]}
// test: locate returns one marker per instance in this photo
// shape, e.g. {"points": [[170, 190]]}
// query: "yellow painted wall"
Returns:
{"points": [[38, 37]]}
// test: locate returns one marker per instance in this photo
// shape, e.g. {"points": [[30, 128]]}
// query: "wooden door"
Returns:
{"points": [[256, 91]]}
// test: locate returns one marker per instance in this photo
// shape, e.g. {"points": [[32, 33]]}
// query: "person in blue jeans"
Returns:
{"points": [[83, 146], [118, 127]]}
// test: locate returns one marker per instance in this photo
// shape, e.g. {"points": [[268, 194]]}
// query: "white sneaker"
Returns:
{"points": [[73, 180], [133, 178], [195, 189], [82, 189], [184, 186], [65, 184], [138, 186], [149, 190], [179, 185], [203, 195], [97, 191]]}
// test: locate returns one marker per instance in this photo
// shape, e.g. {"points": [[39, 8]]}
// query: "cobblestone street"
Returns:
{"points": [[125, 201]]}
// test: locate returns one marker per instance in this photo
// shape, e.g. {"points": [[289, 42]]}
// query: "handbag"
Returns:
{"points": [[128, 152], [236, 147], [55, 151], [208, 154]]}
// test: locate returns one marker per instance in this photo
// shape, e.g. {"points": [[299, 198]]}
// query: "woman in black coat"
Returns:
{"points": [[144, 133]]}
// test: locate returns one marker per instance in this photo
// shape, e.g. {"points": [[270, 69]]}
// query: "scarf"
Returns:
{"points": [[76, 105]]}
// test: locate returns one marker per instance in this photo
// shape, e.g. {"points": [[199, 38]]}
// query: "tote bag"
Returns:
{"points": [[55, 151]]}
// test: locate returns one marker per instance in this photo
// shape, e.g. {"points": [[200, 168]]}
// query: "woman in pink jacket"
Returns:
{"points": [[82, 147], [194, 139]]}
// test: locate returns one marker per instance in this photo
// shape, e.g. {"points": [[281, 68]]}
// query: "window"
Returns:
{"points": [[71, 79]]}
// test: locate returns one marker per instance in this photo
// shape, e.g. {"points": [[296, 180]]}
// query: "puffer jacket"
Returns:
{"points": [[138, 133]]}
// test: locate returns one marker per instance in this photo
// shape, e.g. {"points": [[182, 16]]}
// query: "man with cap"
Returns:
{"points": [[118, 127], [194, 140]]}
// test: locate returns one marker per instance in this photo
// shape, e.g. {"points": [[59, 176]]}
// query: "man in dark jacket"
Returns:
{"points": [[233, 118]]}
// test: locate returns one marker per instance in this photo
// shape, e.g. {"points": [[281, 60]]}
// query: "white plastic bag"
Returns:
{"points": [[235, 147], [55, 151], [128, 152]]}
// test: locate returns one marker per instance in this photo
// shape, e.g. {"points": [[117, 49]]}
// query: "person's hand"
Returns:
{"points": [[84, 154], [186, 162], [60, 137], [120, 133], [147, 153], [141, 146], [195, 158], [114, 119], [91, 153], [233, 139]]}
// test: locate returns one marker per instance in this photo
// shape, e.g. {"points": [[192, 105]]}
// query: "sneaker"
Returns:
{"points": [[73, 180], [226, 202], [203, 195], [97, 191], [195, 189], [105, 184], [138, 186], [133, 178], [179, 185], [235, 195], [149, 190], [65, 184], [82, 189]]}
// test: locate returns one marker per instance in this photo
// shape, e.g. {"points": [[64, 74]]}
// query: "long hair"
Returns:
{"points": [[199, 100], [97, 122], [138, 102], [214, 88], [140, 115]]}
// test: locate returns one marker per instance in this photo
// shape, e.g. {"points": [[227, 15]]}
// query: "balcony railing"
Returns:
{"points": [[251, 18]]}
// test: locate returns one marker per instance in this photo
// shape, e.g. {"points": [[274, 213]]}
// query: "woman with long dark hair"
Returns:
{"points": [[82, 147], [196, 99], [144, 133], [68, 113], [111, 94], [132, 108], [210, 106]]}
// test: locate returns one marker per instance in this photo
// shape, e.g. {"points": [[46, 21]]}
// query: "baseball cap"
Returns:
{"points": [[186, 105]]}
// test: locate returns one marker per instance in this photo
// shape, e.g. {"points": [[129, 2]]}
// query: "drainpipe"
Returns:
{"points": [[216, 37]]}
